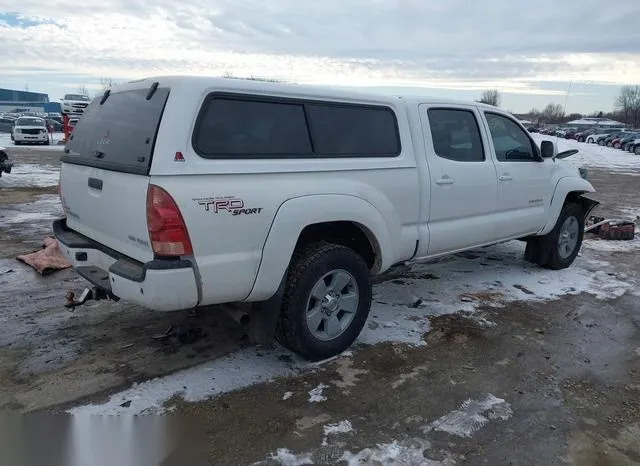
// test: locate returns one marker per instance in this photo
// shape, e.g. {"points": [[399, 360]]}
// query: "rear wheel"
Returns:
{"points": [[326, 301]]}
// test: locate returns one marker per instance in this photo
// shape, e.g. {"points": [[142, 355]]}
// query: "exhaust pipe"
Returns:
{"points": [[237, 313]]}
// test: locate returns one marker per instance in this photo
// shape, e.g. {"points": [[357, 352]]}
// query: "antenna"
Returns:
{"points": [[566, 98]]}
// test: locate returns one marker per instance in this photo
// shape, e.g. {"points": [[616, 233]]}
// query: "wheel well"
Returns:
{"points": [[575, 197], [344, 233]]}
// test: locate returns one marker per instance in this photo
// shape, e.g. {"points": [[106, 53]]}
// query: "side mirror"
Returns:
{"points": [[548, 149]]}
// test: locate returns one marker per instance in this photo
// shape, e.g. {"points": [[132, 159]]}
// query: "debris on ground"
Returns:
{"points": [[5, 163], [611, 229], [46, 260]]}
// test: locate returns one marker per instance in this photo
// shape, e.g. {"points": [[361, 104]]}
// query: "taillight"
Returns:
{"points": [[167, 230]]}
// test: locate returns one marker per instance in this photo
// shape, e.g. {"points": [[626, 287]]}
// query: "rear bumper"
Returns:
{"points": [[161, 285]]}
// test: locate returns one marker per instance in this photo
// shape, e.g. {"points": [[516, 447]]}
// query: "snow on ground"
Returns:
{"points": [[471, 416], [612, 246], [493, 276], [593, 155], [5, 141], [30, 175], [398, 452]]}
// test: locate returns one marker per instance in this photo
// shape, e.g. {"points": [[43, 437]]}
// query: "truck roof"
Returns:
{"points": [[200, 83]]}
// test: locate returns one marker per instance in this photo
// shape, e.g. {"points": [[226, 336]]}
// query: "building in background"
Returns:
{"points": [[13, 101], [588, 122]]}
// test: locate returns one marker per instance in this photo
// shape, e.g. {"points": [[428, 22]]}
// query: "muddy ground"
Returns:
{"points": [[554, 382]]}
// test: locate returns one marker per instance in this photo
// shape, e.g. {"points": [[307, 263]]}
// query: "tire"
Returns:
{"points": [[309, 334], [616, 145], [601, 143], [636, 150], [564, 249], [589, 141]]}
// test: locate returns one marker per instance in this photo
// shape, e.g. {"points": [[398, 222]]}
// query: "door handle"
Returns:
{"points": [[505, 177], [95, 183], [444, 180]]}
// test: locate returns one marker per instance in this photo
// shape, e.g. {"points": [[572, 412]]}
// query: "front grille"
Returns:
{"points": [[30, 131], [79, 105]]}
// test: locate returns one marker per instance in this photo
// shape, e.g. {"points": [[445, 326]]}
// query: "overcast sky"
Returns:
{"points": [[530, 51]]}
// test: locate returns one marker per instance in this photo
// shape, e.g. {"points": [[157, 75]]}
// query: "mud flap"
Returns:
{"points": [[538, 250], [264, 317]]}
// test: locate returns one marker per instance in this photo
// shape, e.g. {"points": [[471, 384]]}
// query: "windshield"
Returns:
{"points": [[29, 122], [77, 97]]}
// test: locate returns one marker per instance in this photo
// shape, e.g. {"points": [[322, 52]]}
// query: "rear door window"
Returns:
{"points": [[120, 134], [456, 135]]}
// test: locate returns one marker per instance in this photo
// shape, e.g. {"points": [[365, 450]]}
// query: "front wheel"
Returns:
{"points": [[637, 150], [566, 237], [326, 301]]}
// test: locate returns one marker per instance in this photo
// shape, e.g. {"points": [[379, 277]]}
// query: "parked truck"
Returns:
{"points": [[185, 192]]}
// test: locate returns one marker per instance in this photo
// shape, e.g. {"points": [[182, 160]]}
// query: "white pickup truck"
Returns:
{"points": [[183, 192]]}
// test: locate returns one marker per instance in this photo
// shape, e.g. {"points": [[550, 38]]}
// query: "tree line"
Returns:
{"points": [[626, 108]]}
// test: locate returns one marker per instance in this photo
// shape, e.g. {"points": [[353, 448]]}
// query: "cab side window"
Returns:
{"points": [[510, 142], [455, 135]]}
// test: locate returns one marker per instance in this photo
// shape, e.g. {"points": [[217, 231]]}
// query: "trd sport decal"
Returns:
{"points": [[230, 204]]}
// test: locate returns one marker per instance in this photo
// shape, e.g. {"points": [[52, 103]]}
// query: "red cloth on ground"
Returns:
{"points": [[46, 260]]}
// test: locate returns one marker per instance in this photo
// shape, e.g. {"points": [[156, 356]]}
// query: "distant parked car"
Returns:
{"points": [[601, 133], [571, 134], [608, 141], [634, 146], [74, 104], [30, 130], [582, 136], [624, 142]]}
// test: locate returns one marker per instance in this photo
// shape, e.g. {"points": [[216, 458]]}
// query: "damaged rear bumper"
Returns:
{"points": [[161, 285]]}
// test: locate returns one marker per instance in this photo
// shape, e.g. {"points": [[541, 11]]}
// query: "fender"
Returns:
{"points": [[297, 213], [564, 186]]}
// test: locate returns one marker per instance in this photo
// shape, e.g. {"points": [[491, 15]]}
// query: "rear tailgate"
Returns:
{"points": [[104, 175]]}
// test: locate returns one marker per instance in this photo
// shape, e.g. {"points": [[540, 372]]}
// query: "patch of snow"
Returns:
{"points": [[238, 370], [471, 416], [29, 175], [409, 453], [287, 395], [286, 457], [316, 396], [492, 276], [593, 155], [341, 427], [612, 246]]}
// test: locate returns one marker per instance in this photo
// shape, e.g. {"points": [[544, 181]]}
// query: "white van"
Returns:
{"points": [[182, 192]]}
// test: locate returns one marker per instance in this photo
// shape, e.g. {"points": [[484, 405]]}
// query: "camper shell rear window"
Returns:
{"points": [[118, 131]]}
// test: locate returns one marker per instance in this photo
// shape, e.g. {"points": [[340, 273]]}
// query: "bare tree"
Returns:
{"points": [[552, 113], [82, 89], [490, 97], [628, 103], [106, 83]]}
